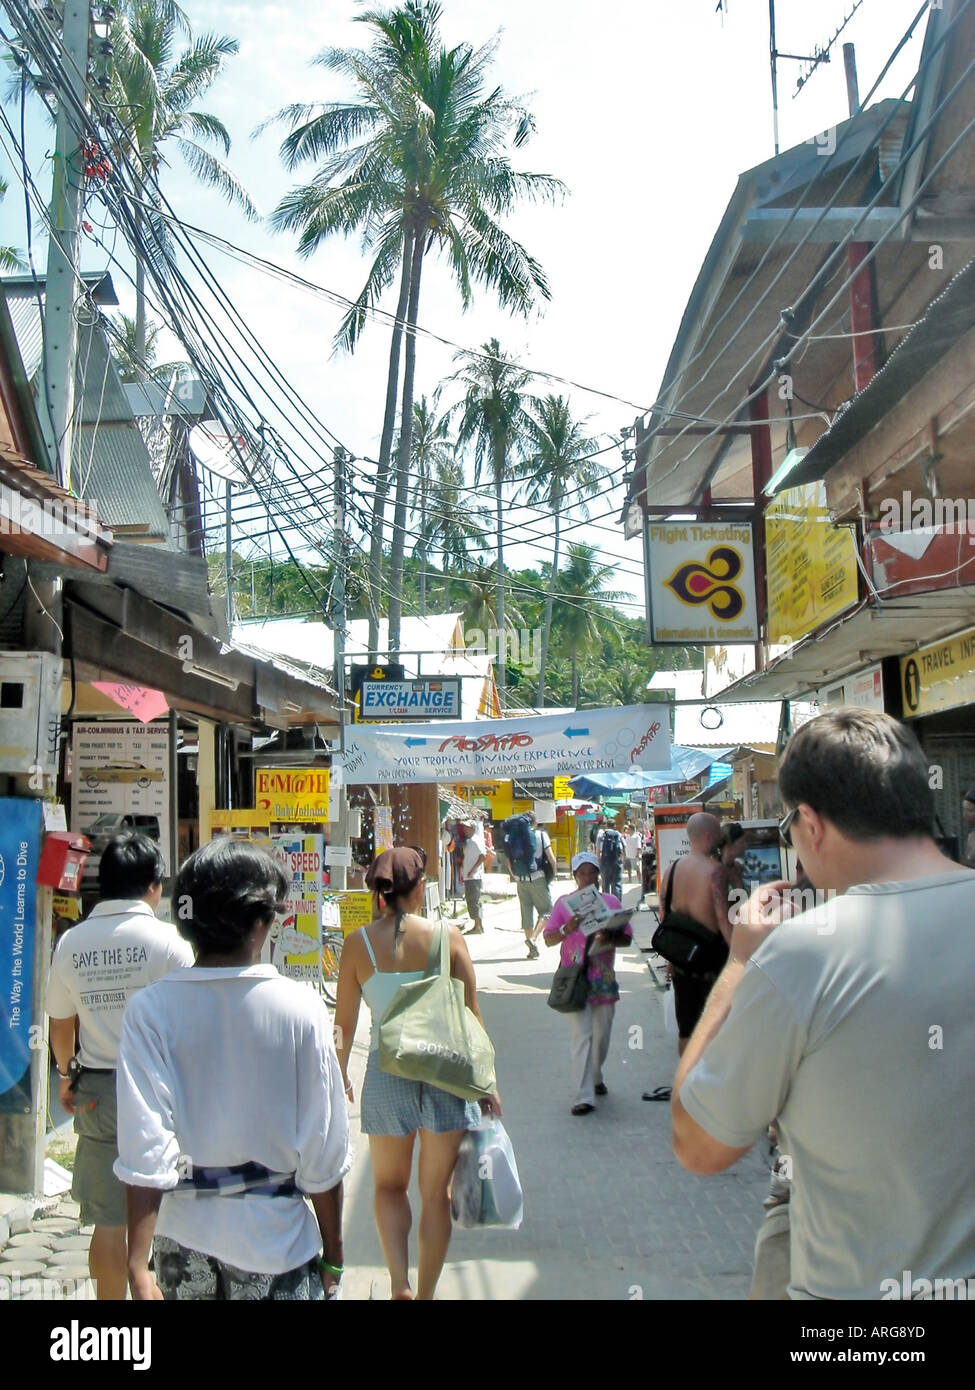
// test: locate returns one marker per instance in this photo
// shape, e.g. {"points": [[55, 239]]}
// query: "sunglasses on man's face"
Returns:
{"points": [[785, 826]]}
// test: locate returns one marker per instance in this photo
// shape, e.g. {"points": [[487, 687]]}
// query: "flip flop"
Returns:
{"points": [[661, 1093]]}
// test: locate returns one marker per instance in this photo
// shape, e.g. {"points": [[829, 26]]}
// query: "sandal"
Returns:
{"points": [[661, 1093]]}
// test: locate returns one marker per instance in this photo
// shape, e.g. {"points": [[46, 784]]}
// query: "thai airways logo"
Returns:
{"points": [[711, 583]]}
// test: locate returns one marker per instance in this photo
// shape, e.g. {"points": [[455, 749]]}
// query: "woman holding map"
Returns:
{"points": [[571, 924]]}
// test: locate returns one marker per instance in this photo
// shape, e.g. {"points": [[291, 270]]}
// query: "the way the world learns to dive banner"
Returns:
{"points": [[20, 841], [549, 745]]}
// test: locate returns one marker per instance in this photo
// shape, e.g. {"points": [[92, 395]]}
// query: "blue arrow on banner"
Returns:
{"points": [[415, 742], [576, 733]]}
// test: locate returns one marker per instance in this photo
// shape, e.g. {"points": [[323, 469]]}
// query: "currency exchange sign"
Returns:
{"points": [[547, 746]]}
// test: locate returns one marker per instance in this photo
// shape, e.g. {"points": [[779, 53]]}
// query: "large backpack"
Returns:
{"points": [[520, 845], [611, 851]]}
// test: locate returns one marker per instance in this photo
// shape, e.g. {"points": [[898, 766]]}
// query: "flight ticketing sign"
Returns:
{"points": [[547, 746]]}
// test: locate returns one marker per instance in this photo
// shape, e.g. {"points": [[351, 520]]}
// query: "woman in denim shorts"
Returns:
{"points": [[376, 960]]}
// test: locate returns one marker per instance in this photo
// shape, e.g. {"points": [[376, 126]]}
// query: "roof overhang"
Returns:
{"points": [[41, 521], [895, 628]]}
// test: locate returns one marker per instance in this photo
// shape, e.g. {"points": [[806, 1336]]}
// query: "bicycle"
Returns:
{"points": [[331, 951]]}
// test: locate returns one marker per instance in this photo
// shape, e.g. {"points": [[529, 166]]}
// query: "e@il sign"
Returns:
{"points": [[292, 793]]}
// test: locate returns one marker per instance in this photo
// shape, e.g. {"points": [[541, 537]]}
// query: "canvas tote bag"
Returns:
{"points": [[429, 1034]]}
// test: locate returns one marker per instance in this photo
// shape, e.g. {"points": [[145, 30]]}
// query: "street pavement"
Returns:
{"points": [[609, 1213]]}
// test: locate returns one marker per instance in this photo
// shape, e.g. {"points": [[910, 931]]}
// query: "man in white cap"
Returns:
{"points": [[475, 852]]}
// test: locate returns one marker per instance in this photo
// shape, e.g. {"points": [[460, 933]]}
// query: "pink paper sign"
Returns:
{"points": [[144, 703]]}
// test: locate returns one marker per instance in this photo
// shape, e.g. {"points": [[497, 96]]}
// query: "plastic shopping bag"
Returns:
{"points": [[670, 1013], [486, 1190]]}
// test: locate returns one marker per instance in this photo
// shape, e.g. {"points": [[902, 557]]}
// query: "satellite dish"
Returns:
{"points": [[230, 456]]}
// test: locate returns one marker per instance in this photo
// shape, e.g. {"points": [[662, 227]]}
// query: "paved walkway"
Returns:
{"points": [[609, 1213]]}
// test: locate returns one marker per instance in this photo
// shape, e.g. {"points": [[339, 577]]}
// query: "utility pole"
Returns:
{"points": [[64, 247], [22, 1135], [228, 532], [339, 620]]}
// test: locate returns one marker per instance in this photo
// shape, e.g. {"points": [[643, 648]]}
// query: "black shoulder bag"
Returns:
{"points": [[684, 942], [570, 986]]}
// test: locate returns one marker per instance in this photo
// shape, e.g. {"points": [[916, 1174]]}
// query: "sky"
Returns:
{"points": [[648, 110]]}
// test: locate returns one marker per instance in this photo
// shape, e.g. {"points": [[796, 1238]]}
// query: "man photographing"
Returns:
{"points": [[850, 1025]]}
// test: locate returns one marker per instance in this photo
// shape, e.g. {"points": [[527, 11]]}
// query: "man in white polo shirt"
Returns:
{"points": [[850, 1025], [98, 965]]}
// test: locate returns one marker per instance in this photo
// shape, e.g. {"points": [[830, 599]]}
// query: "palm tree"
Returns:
{"points": [[480, 610], [416, 160], [131, 366], [493, 417], [153, 88], [559, 460], [581, 589], [10, 260], [431, 449], [450, 525]]}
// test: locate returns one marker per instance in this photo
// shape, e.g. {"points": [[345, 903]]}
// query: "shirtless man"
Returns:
{"points": [[700, 891]]}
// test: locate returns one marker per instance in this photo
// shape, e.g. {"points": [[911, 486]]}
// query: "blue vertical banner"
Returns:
{"points": [[20, 847]]}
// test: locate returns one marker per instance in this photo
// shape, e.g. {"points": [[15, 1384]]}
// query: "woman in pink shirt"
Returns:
{"points": [[591, 1027]]}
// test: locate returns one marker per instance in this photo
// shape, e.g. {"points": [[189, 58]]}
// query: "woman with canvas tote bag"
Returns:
{"points": [[376, 960]]}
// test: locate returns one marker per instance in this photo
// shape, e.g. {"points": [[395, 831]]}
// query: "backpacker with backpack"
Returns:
{"points": [[520, 841], [611, 853]]}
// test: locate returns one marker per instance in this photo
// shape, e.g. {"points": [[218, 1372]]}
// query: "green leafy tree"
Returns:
{"points": [[561, 467], [154, 89], [416, 160], [494, 420]]}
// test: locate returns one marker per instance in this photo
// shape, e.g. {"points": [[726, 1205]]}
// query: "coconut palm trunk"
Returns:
{"points": [[549, 600], [385, 450], [403, 454]]}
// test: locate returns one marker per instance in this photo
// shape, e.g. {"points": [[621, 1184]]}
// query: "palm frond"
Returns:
{"points": [[210, 171]]}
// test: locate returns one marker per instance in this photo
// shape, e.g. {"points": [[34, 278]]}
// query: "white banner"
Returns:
{"points": [[546, 745]]}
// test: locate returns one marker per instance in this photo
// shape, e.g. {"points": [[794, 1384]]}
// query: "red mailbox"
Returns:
{"points": [[62, 861]]}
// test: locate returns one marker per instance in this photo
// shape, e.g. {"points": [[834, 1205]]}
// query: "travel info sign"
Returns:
{"points": [[549, 745], [702, 582]]}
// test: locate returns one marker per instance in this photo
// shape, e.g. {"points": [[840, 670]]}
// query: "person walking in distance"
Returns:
{"points": [[532, 866], [475, 852], [591, 1027], [393, 950], [632, 845], [612, 853], [850, 1025], [97, 967]]}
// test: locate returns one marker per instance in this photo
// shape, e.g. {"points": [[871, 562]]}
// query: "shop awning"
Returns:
{"points": [[685, 763], [899, 626]]}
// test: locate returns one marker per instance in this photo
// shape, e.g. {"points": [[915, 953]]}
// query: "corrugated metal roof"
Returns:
{"points": [[26, 319], [110, 464], [187, 396], [110, 468]]}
